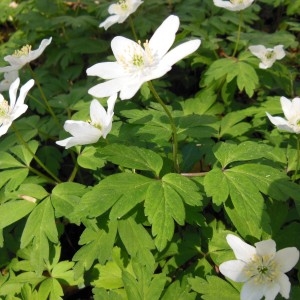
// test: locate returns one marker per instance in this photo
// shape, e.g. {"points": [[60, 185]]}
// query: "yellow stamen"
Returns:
{"points": [[25, 50]]}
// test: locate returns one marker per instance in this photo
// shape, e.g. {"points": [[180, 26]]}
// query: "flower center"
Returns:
{"points": [[123, 4], [4, 109], [137, 59], [25, 50], [263, 269], [235, 2], [270, 54]]}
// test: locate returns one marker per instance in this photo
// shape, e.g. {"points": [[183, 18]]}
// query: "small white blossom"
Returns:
{"points": [[89, 132], [260, 267], [291, 111], [9, 78], [267, 55], [10, 112], [120, 12], [136, 64], [233, 5], [23, 56]]}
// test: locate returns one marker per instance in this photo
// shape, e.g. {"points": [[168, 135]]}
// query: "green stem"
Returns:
{"points": [[298, 157], [172, 123], [23, 142], [44, 96], [238, 34], [132, 28]]}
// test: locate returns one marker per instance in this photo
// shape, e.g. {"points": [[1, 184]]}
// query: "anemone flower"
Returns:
{"points": [[260, 267], [23, 56], [136, 65], [100, 124], [120, 12], [233, 5], [10, 112]]}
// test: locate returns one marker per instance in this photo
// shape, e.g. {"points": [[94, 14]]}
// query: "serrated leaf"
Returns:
{"points": [[88, 159], [14, 210], [178, 292], [207, 288], [97, 244], [23, 153], [8, 161], [133, 157], [50, 289], [137, 241], [13, 178], [40, 228], [131, 286]]}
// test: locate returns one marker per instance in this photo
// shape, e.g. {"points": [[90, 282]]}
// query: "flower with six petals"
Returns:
{"points": [[10, 112], [260, 267], [267, 55], [136, 65], [291, 111], [233, 5], [23, 56], [120, 12], [100, 124]]}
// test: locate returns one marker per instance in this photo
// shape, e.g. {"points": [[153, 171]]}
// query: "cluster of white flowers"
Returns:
{"points": [[260, 267]]}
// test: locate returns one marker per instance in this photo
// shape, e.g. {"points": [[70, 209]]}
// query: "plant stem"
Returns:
{"points": [[49, 109], [298, 158], [238, 34], [23, 142], [172, 123], [132, 28]]}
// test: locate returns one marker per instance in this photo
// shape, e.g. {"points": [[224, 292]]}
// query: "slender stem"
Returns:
{"points": [[132, 28], [298, 158], [50, 110], [33, 170], [172, 123], [74, 172], [23, 142], [238, 34]]}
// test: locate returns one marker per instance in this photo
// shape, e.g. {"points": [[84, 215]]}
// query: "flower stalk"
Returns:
{"points": [[238, 33], [172, 123]]}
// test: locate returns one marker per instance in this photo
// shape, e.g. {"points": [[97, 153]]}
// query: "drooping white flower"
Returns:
{"points": [[260, 267], [135, 64], [233, 5], [267, 55], [9, 78], [291, 111], [16, 107], [89, 132], [120, 12], [23, 56]]}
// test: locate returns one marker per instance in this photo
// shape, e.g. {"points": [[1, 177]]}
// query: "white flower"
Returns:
{"points": [[291, 111], [23, 56], [120, 12], [8, 113], [90, 132], [260, 267], [233, 5], [135, 65], [9, 78], [267, 55]]}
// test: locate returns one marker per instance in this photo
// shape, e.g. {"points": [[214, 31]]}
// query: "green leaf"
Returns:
{"points": [[131, 286], [50, 289], [22, 152], [133, 157], [97, 244], [40, 228], [89, 159], [178, 291], [137, 241], [8, 161], [214, 288], [14, 211], [13, 178]]}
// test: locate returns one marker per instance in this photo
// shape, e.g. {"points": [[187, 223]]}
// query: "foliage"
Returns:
{"points": [[116, 220]]}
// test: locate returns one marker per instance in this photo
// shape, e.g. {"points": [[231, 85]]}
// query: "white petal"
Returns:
{"points": [[13, 93], [106, 70], [110, 21], [295, 109], [129, 90], [18, 111], [80, 128], [97, 112], [280, 123], [4, 127], [252, 291], [10, 68], [164, 36], [285, 285], [266, 64], [36, 53], [111, 104], [23, 91], [280, 53], [107, 88], [180, 52], [233, 269], [241, 250], [123, 48], [286, 105], [287, 258], [267, 247], [271, 291], [258, 50]]}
